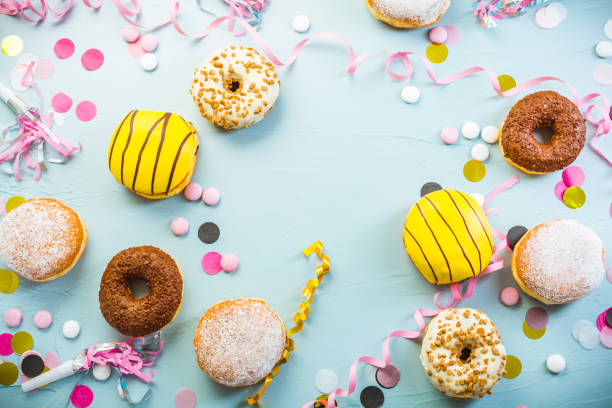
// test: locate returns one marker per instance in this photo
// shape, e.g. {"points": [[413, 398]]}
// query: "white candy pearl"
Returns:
{"points": [[300, 23], [478, 197], [71, 329], [490, 134], [480, 152], [148, 62], [555, 363], [603, 49], [410, 94], [101, 372], [470, 130]]}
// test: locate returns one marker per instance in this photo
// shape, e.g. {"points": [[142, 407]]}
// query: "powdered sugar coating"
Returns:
{"points": [[238, 342], [559, 261], [41, 239], [422, 11]]}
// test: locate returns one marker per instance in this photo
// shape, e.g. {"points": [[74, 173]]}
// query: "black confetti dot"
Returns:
{"points": [[609, 317], [372, 397], [32, 365], [514, 235], [208, 232], [430, 187]]}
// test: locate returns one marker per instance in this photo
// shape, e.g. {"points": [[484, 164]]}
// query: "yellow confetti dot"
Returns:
{"points": [[9, 281], [506, 82], [574, 197], [474, 170], [12, 45], [8, 373], [22, 342], [513, 367], [436, 53], [532, 333], [13, 203]]}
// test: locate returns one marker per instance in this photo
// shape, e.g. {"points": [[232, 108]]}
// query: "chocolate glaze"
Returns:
{"points": [[139, 317], [543, 109]]}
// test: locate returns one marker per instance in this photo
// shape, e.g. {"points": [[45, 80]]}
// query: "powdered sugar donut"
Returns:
{"points": [[238, 342], [408, 13], [559, 261], [235, 87], [42, 239]]}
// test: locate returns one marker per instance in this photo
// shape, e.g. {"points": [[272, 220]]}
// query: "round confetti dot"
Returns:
{"points": [[44, 68], [211, 263], [410, 94], [149, 42], [185, 398], [71, 329], [5, 344], [135, 50], [43, 319], [63, 48], [606, 337], [480, 152], [179, 226], [603, 49], [101, 372], [588, 337], [579, 326], [300, 23], [509, 296], [608, 317], [11, 45], [436, 53], [148, 62], [326, 381], [85, 111], [8, 373], [453, 34], [470, 130], [32, 365], [61, 102], [211, 196], [193, 192], [52, 360], [130, 34], [608, 29], [609, 275], [474, 170], [20, 77], [388, 377], [9, 281], [13, 317], [449, 134], [531, 333], [506, 82], [479, 198], [555, 363], [372, 397], [536, 318], [574, 197], [430, 187], [560, 188], [438, 35], [229, 262], [490, 134], [81, 396], [573, 176], [603, 74], [208, 232], [21, 342], [513, 367], [92, 59], [13, 203]]}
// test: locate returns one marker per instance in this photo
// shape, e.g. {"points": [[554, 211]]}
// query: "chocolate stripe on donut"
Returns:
{"points": [[127, 143], [110, 154], [145, 145], [436, 239], [467, 228], [159, 149], [178, 154], [422, 252], [478, 217], [454, 235]]}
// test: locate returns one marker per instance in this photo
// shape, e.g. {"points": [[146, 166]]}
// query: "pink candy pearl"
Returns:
{"points": [[229, 262], [43, 319], [509, 296], [438, 35], [193, 192], [449, 135], [149, 42], [573, 176], [179, 226], [130, 34], [211, 196], [13, 317]]}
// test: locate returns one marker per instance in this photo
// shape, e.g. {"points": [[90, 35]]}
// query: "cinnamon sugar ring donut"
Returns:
{"points": [[408, 13], [238, 342], [542, 109], [42, 239], [140, 317]]}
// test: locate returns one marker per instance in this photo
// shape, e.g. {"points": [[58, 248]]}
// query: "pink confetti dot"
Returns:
{"points": [[81, 396], [536, 318], [449, 134], [229, 262], [149, 42], [609, 275], [211, 263], [211, 196], [5, 344], [136, 51], [44, 68], [179, 226], [185, 398], [606, 336], [193, 191], [438, 35], [573, 176], [63, 48], [509, 296], [43, 319], [92, 59], [61, 103], [86, 111], [453, 34], [13, 317], [388, 377], [130, 34], [52, 360], [560, 188]]}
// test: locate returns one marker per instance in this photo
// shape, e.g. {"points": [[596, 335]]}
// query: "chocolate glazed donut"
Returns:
{"points": [[542, 109], [140, 317]]}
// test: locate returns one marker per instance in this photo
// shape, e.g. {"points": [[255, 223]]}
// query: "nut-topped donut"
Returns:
{"points": [[235, 87], [542, 109], [462, 353]]}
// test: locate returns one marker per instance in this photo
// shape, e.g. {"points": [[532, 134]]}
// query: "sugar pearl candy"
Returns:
{"points": [[603, 49], [301, 23], [555, 363], [470, 130], [490, 134], [480, 152], [71, 329], [410, 94]]}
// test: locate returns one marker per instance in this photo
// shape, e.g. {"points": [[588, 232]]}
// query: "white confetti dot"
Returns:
{"points": [[148, 62], [579, 326], [603, 74], [480, 152], [326, 381], [490, 134], [608, 29], [71, 329], [479, 198], [301, 23], [16, 75], [410, 94], [101, 372], [603, 49], [555, 363], [470, 130], [589, 337]]}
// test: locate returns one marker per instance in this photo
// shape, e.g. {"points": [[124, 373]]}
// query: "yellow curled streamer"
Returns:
{"points": [[299, 317]]}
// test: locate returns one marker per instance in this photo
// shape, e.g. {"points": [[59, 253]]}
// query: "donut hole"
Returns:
{"points": [[232, 84], [138, 288], [543, 134], [465, 354]]}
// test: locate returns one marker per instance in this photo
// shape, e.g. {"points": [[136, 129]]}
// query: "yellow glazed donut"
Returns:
{"points": [[462, 353], [235, 87], [153, 153], [408, 13], [447, 237]]}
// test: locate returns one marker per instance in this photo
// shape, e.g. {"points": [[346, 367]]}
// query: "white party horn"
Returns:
{"points": [[63, 370]]}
